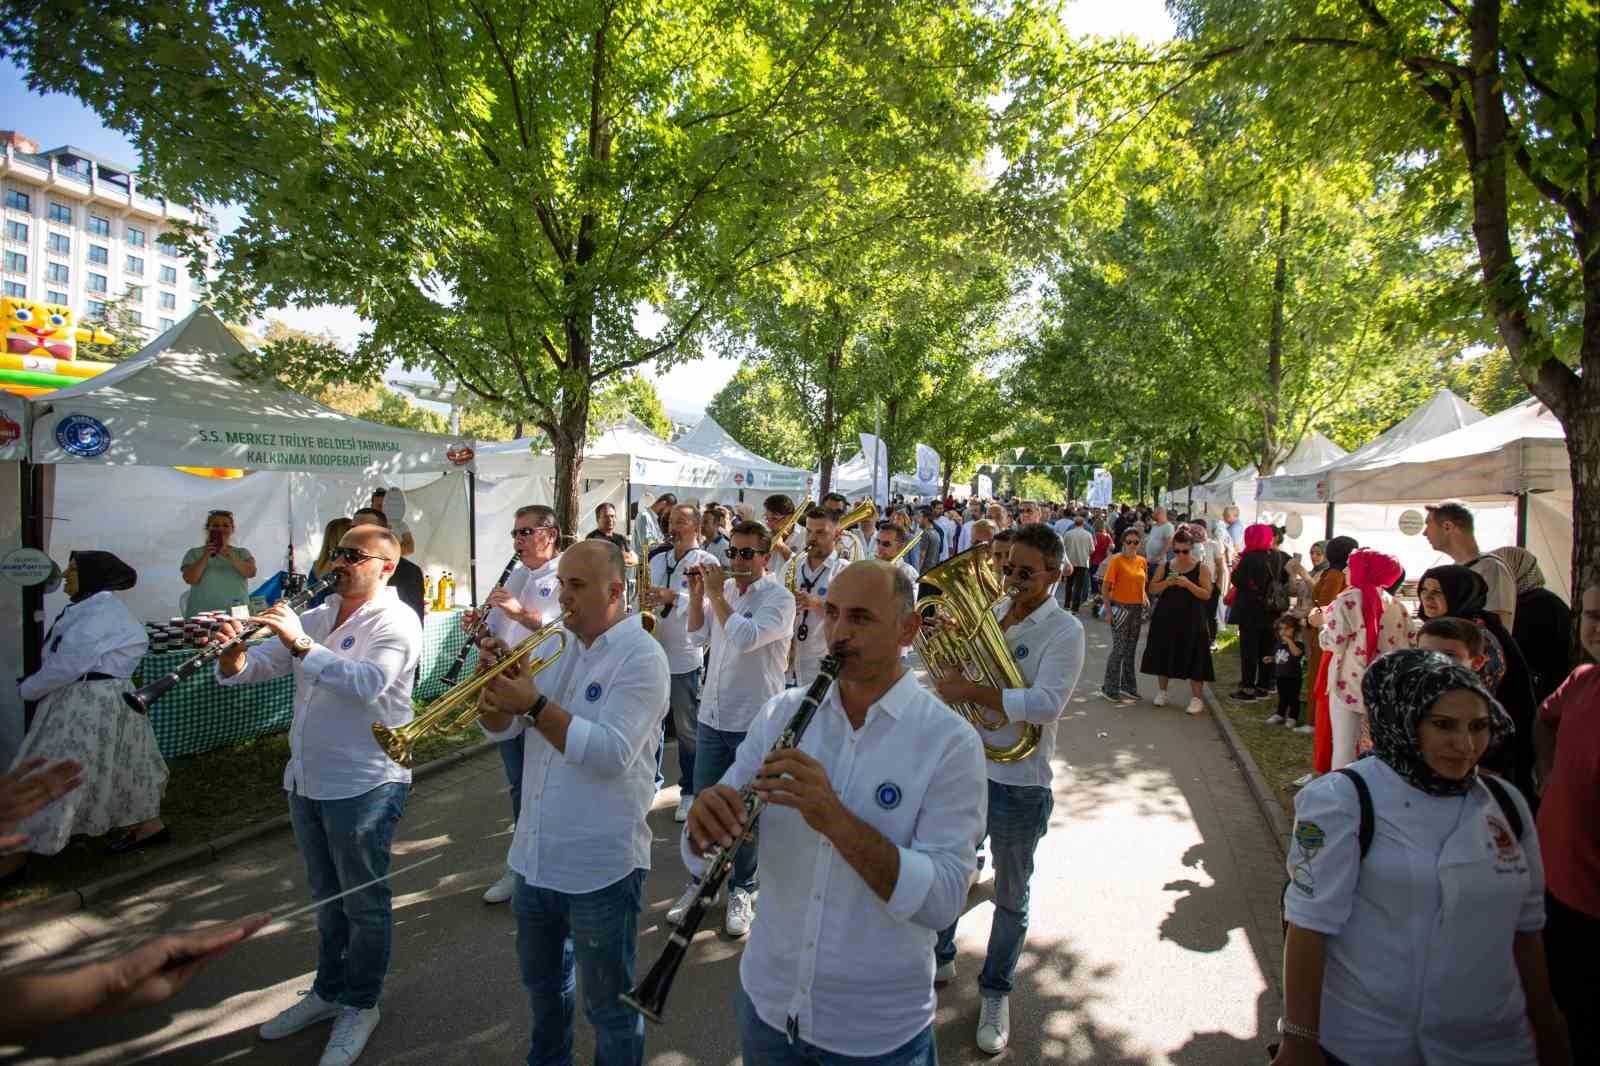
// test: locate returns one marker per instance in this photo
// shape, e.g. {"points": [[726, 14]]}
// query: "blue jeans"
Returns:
{"points": [[765, 1046], [683, 705], [511, 756], [345, 843], [1018, 816], [714, 753], [560, 933]]}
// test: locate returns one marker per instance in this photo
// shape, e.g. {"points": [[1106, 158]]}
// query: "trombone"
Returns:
{"points": [[461, 701]]}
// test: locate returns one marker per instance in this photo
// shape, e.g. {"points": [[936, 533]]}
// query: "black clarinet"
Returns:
{"points": [[475, 634], [649, 996], [141, 699]]}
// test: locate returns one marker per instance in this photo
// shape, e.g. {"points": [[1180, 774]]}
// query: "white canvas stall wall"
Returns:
{"points": [[13, 441], [10, 615]]}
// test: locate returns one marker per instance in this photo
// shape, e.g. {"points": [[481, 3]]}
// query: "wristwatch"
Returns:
{"points": [[301, 645], [538, 705]]}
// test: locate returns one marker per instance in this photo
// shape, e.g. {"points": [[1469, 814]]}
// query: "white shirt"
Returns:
{"points": [[96, 635], [1047, 647], [808, 653], [1155, 543], [1079, 543], [748, 655], [353, 677], [646, 528], [1502, 586], [950, 530], [854, 971], [911, 575], [538, 590], [857, 547], [1420, 931], [582, 824], [669, 571], [719, 549]]}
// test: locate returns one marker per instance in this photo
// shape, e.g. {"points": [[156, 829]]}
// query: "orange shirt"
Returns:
{"points": [[1125, 579]]}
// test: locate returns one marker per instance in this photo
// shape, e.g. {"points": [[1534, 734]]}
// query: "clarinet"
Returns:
{"points": [[649, 997], [475, 634]]}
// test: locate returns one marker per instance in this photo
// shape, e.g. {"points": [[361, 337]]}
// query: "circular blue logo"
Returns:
{"points": [[823, 591], [347, 643], [592, 693], [545, 591], [1021, 653], [888, 795], [83, 436]]}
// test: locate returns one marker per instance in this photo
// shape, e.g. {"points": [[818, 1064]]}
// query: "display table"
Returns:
{"points": [[199, 714]]}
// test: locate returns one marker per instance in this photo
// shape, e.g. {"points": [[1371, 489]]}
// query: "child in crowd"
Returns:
{"points": [[1458, 639], [1288, 659]]}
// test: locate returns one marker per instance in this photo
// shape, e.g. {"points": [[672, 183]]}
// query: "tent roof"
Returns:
{"points": [[1442, 413], [649, 459], [750, 470], [1521, 449], [184, 400]]}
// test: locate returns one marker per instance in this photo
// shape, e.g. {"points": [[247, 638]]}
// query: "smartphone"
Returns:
{"points": [[216, 539]]}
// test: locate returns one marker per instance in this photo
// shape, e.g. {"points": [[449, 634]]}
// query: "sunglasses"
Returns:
{"points": [[745, 553], [1021, 573], [1134, 541], [527, 531], [1180, 551], [351, 555]]}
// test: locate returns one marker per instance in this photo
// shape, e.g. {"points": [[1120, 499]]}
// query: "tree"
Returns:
{"points": [[759, 413], [126, 327], [631, 394], [501, 187]]}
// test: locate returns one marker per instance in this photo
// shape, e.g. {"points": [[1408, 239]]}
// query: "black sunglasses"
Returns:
{"points": [[745, 553], [1180, 551], [528, 531], [1131, 540], [351, 555], [1021, 573]]}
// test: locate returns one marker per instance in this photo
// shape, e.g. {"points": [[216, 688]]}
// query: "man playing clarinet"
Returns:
{"points": [[868, 844]]}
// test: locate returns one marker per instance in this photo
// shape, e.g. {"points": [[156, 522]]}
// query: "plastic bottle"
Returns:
{"points": [[427, 592]]}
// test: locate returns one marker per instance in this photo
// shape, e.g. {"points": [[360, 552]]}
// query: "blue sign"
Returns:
{"points": [[83, 436]]}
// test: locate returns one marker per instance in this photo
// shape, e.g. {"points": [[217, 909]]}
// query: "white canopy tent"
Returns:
{"points": [[1185, 497], [748, 470], [1239, 489]]}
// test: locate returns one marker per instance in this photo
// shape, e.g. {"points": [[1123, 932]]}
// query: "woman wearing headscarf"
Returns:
{"points": [[1542, 626], [90, 653], [1260, 594], [1425, 951], [1458, 592], [1364, 622], [1318, 553]]}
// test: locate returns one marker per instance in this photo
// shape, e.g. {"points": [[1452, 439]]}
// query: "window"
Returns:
{"points": [[134, 265], [100, 227], [135, 293], [58, 273], [18, 200], [16, 263], [14, 289], [95, 309], [167, 250], [134, 237], [136, 318], [59, 243], [169, 275], [16, 231], [196, 285], [169, 301], [60, 213], [55, 297], [97, 283], [99, 254]]}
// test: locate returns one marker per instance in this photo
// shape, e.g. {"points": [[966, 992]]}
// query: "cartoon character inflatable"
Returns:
{"points": [[45, 329]]}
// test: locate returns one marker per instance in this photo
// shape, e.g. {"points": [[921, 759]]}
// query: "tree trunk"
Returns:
{"points": [[1280, 285], [572, 426], [891, 418], [830, 428]]}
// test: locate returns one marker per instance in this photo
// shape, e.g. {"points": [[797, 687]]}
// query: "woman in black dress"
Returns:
{"points": [[1179, 644]]}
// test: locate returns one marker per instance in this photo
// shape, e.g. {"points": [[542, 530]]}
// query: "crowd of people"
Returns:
{"points": [[1454, 767]]}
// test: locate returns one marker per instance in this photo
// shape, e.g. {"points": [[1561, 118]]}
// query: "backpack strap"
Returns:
{"points": [[659, 549], [1508, 806], [1364, 798]]}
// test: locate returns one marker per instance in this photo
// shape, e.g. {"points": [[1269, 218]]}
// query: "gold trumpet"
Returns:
{"points": [[780, 532], [968, 590], [903, 552], [461, 701], [865, 511]]}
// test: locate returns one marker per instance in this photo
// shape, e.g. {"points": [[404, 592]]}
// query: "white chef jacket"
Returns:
{"points": [[1419, 933], [668, 571], [808, 653], [353, 677], [854, 971], [582, 824], [96, 635], [950, 531], [1047, 647], [748, 655], [538, 590]]}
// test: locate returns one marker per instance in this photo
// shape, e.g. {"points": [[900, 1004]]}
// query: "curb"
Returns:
{"points": [[1267, 803], [62, 904]]}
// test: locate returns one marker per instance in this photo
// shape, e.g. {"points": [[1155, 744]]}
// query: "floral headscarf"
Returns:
{"points": [[1399, 689], [1371, 571], [1524, 566], [1257, 538]]}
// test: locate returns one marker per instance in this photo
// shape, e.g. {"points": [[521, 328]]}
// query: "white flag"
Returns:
{"points": [[876, 454], [927, 463], [1019, 451]]}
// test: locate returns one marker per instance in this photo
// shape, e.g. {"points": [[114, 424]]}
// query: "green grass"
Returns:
{"points": [[208, 796], [1281, 754]]}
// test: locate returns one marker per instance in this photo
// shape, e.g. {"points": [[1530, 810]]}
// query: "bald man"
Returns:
{"points": [[353, 659], [581, 849]]}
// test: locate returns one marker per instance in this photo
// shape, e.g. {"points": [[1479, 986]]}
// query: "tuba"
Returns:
{"points": [[968, 591], [865, 511], [461, 701]]}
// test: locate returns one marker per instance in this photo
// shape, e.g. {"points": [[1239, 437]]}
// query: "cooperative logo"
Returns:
{"points": [[9, 431], [460, 454], [592, 693], [83, 436], [1022, 652], [347, 643], [888, 795]]}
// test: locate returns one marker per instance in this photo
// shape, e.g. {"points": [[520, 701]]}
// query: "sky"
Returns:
{"points": [[55, 119]]}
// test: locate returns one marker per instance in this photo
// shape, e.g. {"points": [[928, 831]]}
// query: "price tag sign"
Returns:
{"points": [[27, 567]]}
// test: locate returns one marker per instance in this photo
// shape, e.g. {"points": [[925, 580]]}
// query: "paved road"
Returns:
{"points": [[1154, 934]]}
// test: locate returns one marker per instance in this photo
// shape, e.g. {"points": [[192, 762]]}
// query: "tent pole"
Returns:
{"points": [[1327, 529], [1522, 519], [472, 533], [32, 502]]}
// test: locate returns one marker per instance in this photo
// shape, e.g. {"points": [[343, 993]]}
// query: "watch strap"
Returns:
{"points": [[538, 705]]}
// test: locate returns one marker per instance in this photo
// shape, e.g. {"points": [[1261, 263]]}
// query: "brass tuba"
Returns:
{"points": [[865, 511], [400, 742], [968, 591]]}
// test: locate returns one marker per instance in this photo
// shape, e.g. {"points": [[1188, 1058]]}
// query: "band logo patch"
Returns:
{"points": [[1021, 652], [592, 693], [1506, 849], [545, 591], [1309, 838], [347, 643], [888, 795]]}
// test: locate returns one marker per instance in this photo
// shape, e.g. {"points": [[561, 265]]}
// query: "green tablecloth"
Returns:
{"points": [[199, 714]]}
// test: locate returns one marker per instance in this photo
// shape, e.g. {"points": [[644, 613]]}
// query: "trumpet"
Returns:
{"points": [[461, 701], [141, 698], [780, 532], [903, 552], [475, 634]]}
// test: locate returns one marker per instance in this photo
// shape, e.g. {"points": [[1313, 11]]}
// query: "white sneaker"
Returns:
{"points": [[1303, 780], [994, 1024], [1304, 729], [502, 889], [311, 1009], [1274, 719], [1161, 698], [741, 911], [676, 912], [944, 973], [685, 801], [1196, 706], [350, 1033]]}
